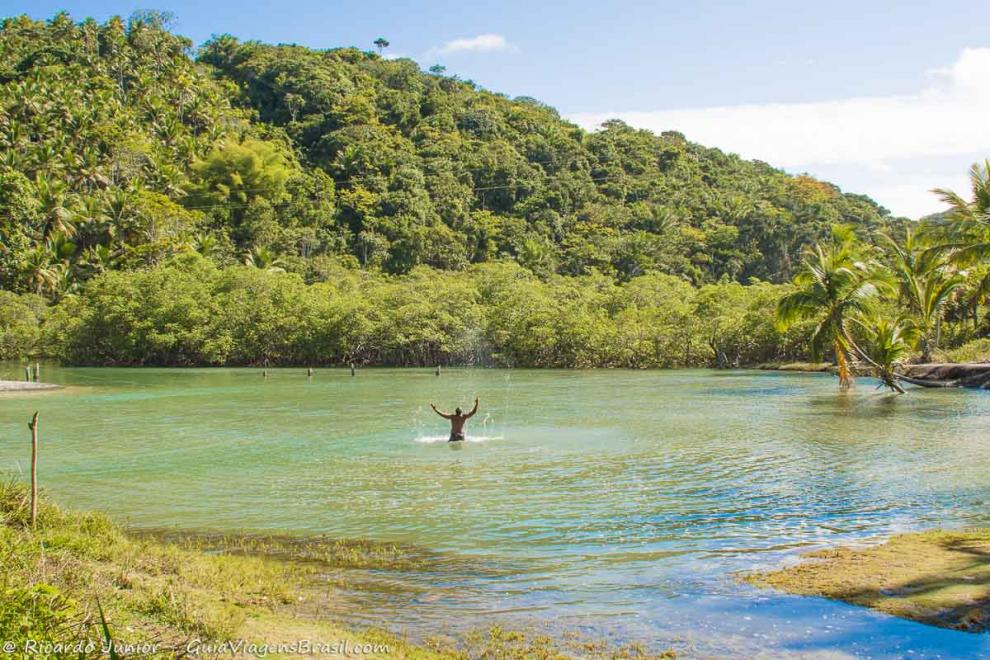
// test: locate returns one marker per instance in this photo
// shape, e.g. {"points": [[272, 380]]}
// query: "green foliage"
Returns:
{"points": [[834, 283], [926, 283], [188, 311], [977, 350], [119, 150], [885, 341], [740, 325], [77, 577], [396, 216], [156, 316], [968, 229], [97, 126], [36, 612], [20, 324]]}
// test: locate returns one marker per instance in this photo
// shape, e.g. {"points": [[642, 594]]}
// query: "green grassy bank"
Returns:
{"points": [[941, 578], [79, 579]]}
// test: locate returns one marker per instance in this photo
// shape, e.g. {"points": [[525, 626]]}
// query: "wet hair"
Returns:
{"points": [[457, 411]]}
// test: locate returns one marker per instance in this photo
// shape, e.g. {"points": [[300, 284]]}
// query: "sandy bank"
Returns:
{"points": [[24, 386]]}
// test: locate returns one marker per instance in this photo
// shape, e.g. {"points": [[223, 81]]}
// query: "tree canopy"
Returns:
{"points": [[121, 147]]}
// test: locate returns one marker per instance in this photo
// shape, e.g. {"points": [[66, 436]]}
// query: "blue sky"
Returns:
{"points": [[884, 98]]}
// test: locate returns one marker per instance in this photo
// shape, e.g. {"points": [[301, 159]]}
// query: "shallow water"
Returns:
{"points": [[618, 503]]}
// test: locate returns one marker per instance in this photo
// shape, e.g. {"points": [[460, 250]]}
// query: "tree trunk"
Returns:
{"points": [[34, 469], [845, 376], [928, 383]]}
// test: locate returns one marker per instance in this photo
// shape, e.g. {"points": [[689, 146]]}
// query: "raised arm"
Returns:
{"points": [[473, 410], [442, 414]]}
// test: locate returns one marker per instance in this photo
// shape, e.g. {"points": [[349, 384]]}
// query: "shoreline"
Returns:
{"points": [[937, 577], [255, 593], [26, 386], [967, 375]]}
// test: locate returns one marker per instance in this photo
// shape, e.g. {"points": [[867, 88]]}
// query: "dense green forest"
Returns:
{"points": [[254, 204]]}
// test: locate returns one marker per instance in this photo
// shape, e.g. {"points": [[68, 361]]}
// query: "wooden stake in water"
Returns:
{"points": [[309, 372], [34, 469]]}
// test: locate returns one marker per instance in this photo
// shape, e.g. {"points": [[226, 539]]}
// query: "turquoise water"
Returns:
{"points": [[618, 503]]}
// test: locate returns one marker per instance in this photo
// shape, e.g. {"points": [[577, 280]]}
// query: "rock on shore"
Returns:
{"points": [[976, 374]]}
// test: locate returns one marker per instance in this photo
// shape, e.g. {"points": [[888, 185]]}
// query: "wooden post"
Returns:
{"points": [[309, 372], [264, 373], [27, 373], [438, 369], [34, 469], [352, 368], [37, 372]]}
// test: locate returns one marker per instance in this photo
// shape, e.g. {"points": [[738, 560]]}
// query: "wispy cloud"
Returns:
{"points": [[889, 135], [482, 43]]}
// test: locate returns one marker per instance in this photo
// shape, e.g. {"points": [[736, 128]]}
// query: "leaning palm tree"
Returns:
{"points": [[884, 342], [926, 281], [833, 284]]}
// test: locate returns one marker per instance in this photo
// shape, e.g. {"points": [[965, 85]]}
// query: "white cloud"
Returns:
{"points": [[483, 43], [887, 135]]}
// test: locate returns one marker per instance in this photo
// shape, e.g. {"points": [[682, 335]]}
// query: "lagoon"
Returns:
{"points": [[615, 503]]}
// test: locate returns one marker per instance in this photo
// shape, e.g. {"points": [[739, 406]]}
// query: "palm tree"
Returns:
{"points": [[979, 181], [65, 281], [206, 244], [833, 283], [265, 259], [96, 259], [53, 200], [885, 342], [381, 43], [39, 269], [966, 234], [968, 230], [976, 292], [926, 285]]}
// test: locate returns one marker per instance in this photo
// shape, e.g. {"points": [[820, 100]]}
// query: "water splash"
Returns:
{"points": [[430, 439]]}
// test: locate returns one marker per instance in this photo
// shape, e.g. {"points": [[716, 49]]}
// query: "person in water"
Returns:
{"points": [[457, 420]]}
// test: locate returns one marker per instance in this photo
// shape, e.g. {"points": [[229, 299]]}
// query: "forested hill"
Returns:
{"points": [[120, 147]]}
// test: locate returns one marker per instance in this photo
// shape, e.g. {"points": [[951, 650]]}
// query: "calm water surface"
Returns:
{"points": [[617, 503]]}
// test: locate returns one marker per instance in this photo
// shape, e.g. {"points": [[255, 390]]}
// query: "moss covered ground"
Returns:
{"points": [[940, 578]]}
